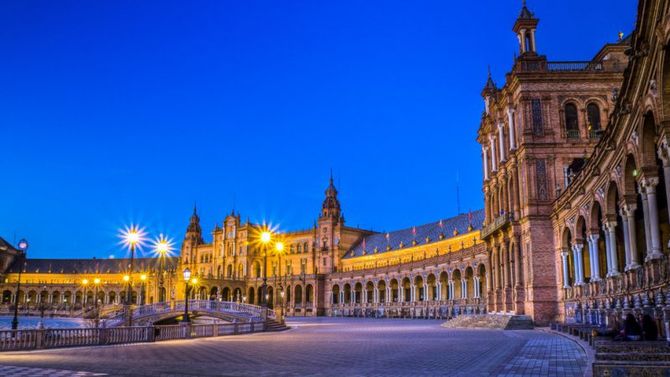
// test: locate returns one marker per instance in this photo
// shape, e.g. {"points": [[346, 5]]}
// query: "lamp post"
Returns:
{"points": [[266, 237], [23, 246], [132, 238], [142, 298], [84, 283], [187, 278], [162, 248], [96, 283], [279, 250]]}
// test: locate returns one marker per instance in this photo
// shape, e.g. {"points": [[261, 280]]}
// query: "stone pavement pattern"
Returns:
{"points": [[326, 347]]}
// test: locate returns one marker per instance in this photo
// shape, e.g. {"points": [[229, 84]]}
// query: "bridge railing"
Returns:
{"points": [[20, 340]]}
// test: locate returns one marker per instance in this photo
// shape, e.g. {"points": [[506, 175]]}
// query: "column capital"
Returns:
{"points": [[594, 237], [649, 184], [628, 209], [578, 246], [564, 254], [609, 225]]}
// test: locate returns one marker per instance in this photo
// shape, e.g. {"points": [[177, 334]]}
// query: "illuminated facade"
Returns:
{"points": [[328, 269], [536, 132]]}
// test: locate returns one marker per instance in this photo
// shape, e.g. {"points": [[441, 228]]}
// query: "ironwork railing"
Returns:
{"points": [[568, 66], [498, 223]]}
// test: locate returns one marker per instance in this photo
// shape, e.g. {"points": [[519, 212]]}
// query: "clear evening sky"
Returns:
{"points": [[114, 112]]}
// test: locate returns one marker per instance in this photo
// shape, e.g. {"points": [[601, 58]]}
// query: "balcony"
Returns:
{"points": [[498, 223], [572, 134]]}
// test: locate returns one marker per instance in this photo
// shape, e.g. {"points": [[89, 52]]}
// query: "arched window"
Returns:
{"points": [[593, 113], [571, 121]]}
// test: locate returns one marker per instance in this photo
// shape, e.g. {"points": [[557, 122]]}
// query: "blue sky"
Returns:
{"points": [[114, 112]]}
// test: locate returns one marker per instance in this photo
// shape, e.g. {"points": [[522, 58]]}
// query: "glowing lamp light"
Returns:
{"points": [[84, 282], [279, 246], [133, 236], [126, 278], [163, 246], [143, 277], [96, 281], [23, 245], [187, 274], [194, 281], [266, 237]]}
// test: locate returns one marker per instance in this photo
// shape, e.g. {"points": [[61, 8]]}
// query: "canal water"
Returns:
{"points": [[31, 322]]}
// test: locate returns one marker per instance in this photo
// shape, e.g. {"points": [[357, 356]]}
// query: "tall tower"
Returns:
{"points": [[525, 27], [192, 239], [329, 230]]}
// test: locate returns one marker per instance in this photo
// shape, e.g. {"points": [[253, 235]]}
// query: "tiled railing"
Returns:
{"points": [[18, 340], [498, 223]]}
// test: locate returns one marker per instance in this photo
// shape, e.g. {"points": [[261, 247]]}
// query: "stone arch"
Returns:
{"points": [[665, 83], [214, 293], [395, 290], [444, 281], [648, 139], [309, 294], [406, 289], [347, 293], [419, 293], [581, 237], [469, 282], [225, 294], [251, 296], [336, 294], [358, 292], [229, 271], [381, 291], [597, 232], [456, 278], [431, 282], [482, 280], [566, 246], [369, 292], [297, 297]]}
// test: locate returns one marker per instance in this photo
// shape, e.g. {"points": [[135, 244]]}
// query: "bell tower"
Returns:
{"points": [[525, 27], [328, 234], [192, 239]]}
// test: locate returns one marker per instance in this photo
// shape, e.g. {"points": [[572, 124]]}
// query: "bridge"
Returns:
{"points": [[229, 311]]}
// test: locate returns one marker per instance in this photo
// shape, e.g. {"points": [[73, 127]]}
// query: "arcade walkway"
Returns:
{"points": [[322, 347]]}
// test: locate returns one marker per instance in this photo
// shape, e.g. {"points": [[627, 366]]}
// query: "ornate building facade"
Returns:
{"points": [[536, 132], [436, 269], [610, 225]]}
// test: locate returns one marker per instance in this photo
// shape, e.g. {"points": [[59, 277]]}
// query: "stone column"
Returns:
{"points": [[628, 212], [645, 212], [522, 40], [464, 288], [664, 154], [649, 185], [579, 268], [532, 40], [510, 122], [438, 295], [501, 142], [610, 243], [566, 279], [593, 253], [494, 166], [486, 162]]}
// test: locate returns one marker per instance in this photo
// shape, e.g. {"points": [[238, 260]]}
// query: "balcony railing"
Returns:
{"points": [[544, 66], [498, 223], [572, 134]]}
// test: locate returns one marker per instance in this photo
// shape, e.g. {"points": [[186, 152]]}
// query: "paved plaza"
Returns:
{"points": [[322, 347]]}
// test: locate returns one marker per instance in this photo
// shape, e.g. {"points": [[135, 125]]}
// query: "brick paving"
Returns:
{"points": [[328, 347]]}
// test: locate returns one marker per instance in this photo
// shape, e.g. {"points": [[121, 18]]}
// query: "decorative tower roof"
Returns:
{"points": [[526, 19], [331, 205], [490, 88], [194, 231]]}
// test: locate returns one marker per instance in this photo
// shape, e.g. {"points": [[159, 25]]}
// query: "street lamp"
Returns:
{"points": [[132, 238], [23, 246], [84, 282], [142, 299], [266, 237], [162, 248], [96, 283], [187, 277]]}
